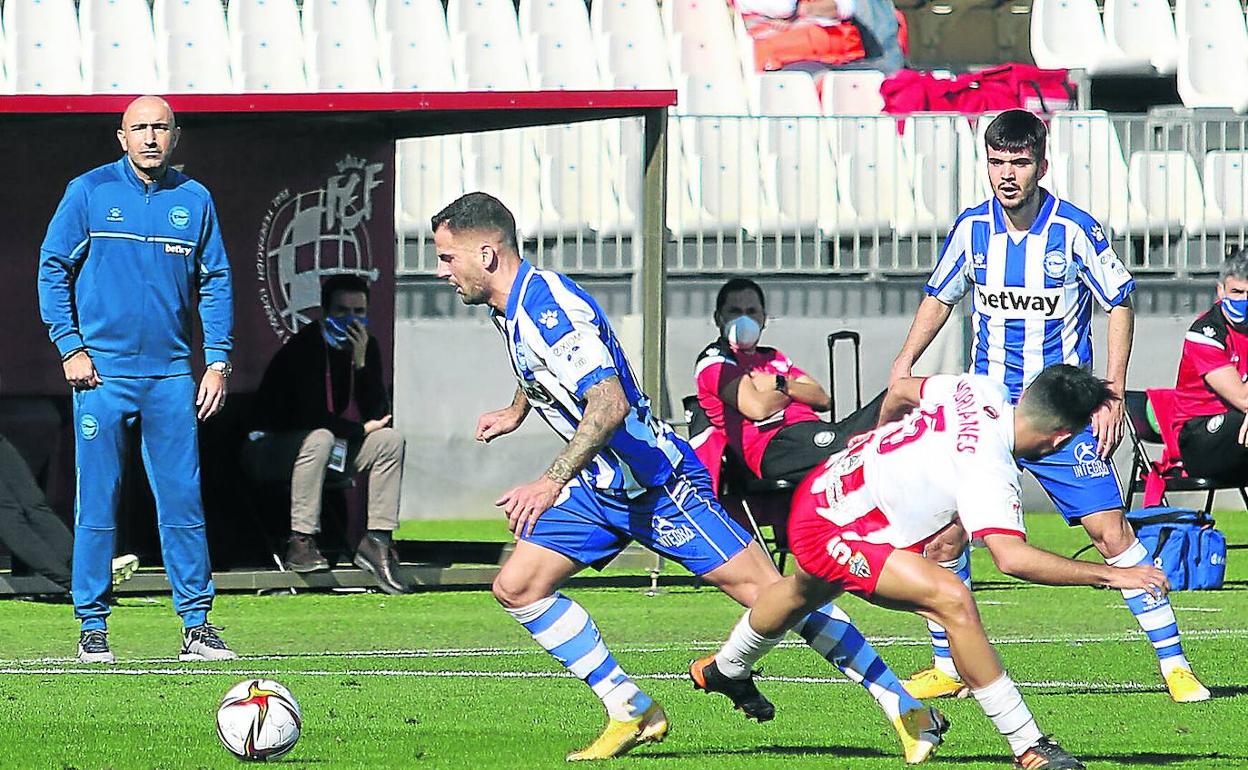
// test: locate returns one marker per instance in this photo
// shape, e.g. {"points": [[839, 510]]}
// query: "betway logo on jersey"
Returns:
{"points": [[1020, 302], [179, 249]]}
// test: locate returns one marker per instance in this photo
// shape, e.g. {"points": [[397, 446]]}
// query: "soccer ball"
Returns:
{"points": [[258, 719]]}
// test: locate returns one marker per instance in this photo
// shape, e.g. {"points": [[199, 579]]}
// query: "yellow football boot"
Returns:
{"points": [[1185, 687], [921, 730], [619, 737], [934, 683]]}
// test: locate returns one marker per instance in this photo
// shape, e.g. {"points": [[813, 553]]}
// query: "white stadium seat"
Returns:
{"points": [[794, 148], [1213, 72], [482, 17], [1088, 169], [1167, 186], [873, 188], [628, 62], [1068, 34], [1226, 191], [267, 43], [710, 19], [639, 18], [568, 17], [491, 62], [430, 175], [853, 92], [192, 46], [1211, 18], [42, 46], [340, 45], [939, 150], [1144, 30], [505, 165], [118, 46], [414, 47]]}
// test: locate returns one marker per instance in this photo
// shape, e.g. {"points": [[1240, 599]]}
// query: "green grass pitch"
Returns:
{"points": [[447, 680]]}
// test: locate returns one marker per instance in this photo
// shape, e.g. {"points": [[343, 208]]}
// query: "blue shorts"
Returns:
{"points": [[680, 520], [1078, 481]]}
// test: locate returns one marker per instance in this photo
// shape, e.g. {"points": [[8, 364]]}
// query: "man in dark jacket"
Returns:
{"points": [[323, 406]]}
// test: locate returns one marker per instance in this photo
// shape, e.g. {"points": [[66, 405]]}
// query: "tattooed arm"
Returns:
{"points": [[605, 410], [491, 425]]}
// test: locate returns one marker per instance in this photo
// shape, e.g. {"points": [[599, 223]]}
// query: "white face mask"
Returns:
{"points": [[742, 333]]}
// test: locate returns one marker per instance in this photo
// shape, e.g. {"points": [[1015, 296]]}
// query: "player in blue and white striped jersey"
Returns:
{"points": [[623, 476], [1034, 265]]}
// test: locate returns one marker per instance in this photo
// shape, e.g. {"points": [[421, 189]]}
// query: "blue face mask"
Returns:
{"points": [[742, 333], [1235, 310], [334, 329]]}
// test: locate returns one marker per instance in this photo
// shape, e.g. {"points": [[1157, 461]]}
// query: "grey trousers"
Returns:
{"points": [[302, 458]]}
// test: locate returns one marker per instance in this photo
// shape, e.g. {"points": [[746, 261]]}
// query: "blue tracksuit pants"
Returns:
{"points": [[162, 410]]}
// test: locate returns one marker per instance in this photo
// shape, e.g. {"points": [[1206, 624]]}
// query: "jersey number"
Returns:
{"points": [[912, 429]]}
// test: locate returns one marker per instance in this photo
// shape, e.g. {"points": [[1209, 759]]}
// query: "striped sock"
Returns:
{"points": [[565, 630], [834, 636], [941, 657], [1155, 616]]}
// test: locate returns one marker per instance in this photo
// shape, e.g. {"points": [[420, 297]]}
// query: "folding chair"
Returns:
{"points": [[1154, 478]]}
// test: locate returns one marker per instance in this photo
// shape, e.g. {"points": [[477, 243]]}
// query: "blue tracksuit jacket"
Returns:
{"points": [[119, 267]]}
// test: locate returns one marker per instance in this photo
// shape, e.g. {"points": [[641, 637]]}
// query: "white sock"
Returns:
{"points": [[1004, 705], [1155, 616], [942, 661], [743, 649]]}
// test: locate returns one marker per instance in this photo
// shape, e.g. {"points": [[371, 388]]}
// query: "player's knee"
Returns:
{"points": [[954, 603], [1113, 536], [512, 594], [392, 442]]}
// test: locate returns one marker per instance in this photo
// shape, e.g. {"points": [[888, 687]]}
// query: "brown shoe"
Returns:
{"points": [[302, 555], [375, 558]]}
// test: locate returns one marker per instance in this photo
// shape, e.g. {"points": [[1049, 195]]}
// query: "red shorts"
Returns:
{"points": [[854, 565]]}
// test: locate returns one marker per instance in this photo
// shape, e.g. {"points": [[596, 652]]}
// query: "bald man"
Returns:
{"points": [[131, 243]]}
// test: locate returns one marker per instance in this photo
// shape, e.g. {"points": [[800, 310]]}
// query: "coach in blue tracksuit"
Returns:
{"points": [[131, 243]]}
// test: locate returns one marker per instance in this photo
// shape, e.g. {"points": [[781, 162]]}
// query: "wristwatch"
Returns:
{"points": [[223, 367], [782, 385]]}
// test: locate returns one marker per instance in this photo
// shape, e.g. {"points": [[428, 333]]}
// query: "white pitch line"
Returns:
{"points": [[1048, 684], [489, 652]]}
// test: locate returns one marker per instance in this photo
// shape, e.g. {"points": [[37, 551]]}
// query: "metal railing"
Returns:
{"points": [[856, 195]]}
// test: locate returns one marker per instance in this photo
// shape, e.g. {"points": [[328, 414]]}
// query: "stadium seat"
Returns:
{"points": [[42, 46], [1088, 169], [192, 46], [638, 18], [267, 63], [482, 17], [1143, 30], [267, 43], [710, 19], [118, 46], [939, 151], [491, 62], [627, 61], [1225, 176], [578, 160], [1211, 18], [720, 168], [1067, 34], [873, 188], [794, 147], [430, 175], [505, 164], [853, 92], [1166, 184], [568, 17], [416, 54], [1213, 72], [340, 45], [698, 55]]}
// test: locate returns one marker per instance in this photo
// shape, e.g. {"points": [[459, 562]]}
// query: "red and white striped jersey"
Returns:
{"points": [[952, 457]]}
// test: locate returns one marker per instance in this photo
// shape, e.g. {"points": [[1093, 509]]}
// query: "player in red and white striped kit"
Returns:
{"points": [[859, 523]]}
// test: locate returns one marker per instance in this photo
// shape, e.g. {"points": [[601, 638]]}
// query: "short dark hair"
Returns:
{"points": [[337, 283], [1017, 131], [478, 211], [1064, 397], [738, 284], [1235, 265]]}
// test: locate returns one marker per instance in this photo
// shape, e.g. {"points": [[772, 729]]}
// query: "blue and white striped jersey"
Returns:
{"points": [[561, 344], [1033, 291]]}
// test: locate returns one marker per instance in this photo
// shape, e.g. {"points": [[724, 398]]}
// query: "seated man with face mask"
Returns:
{"points": [[323, 406], [1211, 395], [762, 401]]}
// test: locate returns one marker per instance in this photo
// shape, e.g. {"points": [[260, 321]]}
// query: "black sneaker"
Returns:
{"points": [[93, 648], [744, 693], [202, 643], [1047, 755]]}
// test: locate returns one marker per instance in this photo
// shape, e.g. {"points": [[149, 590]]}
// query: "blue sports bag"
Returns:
{"points": [[1184, 544]]}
